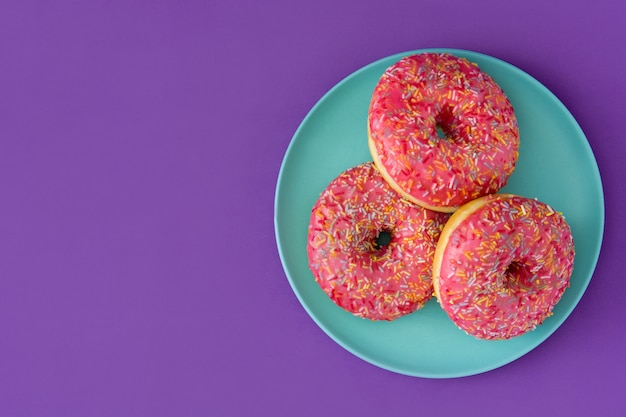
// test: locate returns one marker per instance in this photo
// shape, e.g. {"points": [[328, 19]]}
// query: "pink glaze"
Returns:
{"points": [[505, 267], [424, 92], [378, 283]]}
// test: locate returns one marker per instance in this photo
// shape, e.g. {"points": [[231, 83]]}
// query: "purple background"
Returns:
{"points": [[140, 144]]}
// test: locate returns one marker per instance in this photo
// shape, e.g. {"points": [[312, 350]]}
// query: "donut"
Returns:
{"points": [[370, 250], [501, 265], [441, 131]]}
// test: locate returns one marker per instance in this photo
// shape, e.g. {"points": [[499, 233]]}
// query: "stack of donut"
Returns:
{"points": [[425, 217]]}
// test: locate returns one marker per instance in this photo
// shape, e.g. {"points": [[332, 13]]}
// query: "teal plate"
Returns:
{"points": [[556, 165]]}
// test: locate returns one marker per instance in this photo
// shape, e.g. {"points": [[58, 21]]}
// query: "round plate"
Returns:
{"points": [[556, 165]]}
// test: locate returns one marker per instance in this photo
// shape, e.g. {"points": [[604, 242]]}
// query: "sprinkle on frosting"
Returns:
{"points": [[424, 96], [373, 276], [504, 267]]}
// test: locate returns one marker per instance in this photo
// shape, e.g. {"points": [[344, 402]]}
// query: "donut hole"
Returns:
{"points": [[440, 132], [445, 123], [383, 239], [517, 275]]}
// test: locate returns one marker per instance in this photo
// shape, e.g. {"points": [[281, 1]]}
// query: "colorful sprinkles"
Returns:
{"points": [[377, 282], [427, 93], [504, 267]]}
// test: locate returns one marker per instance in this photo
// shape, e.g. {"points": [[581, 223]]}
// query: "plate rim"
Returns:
{"points": [[595, 255]]}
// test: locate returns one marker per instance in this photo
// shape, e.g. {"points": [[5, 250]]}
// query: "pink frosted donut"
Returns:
{"points": [[441, 131], [501, 265], [370, 250]]}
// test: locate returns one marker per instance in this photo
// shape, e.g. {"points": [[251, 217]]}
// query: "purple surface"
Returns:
{"points": [[140, 144]]}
